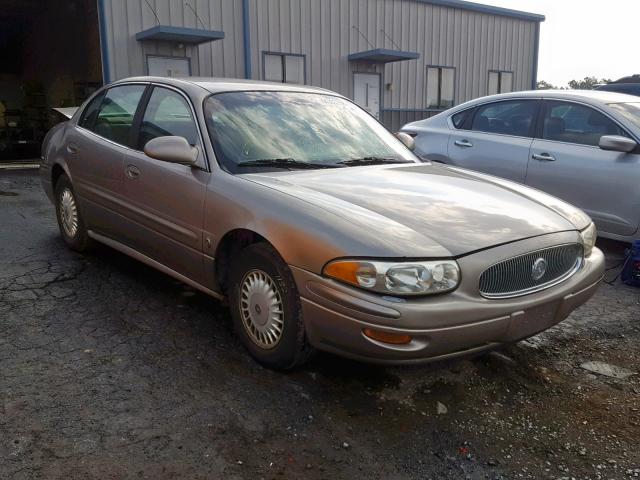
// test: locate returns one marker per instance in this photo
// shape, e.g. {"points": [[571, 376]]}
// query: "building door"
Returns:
{"points": [[366, 92], [158, 66]]}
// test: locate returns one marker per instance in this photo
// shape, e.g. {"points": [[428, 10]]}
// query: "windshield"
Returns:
{"points": [[630, 111], [296, 130]]}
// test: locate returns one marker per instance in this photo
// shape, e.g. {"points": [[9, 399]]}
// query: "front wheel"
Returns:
{"points": [[266, 309]]}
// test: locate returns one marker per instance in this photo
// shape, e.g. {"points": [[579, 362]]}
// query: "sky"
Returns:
{"points": [[581, 38]]}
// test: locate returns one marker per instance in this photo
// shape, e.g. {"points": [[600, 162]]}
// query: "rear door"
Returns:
{"points": [[567, 162], [495, 138], [165, 201], [95, 150]]}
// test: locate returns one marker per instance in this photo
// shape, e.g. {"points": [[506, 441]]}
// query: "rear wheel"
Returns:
{"points": [[266, 309], [70, 220]]}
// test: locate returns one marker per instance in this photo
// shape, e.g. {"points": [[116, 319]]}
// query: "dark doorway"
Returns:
{"points": [[49, 57]]}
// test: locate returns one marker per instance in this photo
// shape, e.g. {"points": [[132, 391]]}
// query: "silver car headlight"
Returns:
{"points": [[397, 278], [589, 236]]}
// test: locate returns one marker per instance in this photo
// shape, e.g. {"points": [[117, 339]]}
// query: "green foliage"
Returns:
{"points": [[587, 83]]}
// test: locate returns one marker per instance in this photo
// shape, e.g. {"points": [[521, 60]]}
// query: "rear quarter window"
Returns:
{"points": [[460, 118]]}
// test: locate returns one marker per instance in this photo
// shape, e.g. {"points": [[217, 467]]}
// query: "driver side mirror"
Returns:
{"points": [[617, 143], [407, 140], [171, 149]]}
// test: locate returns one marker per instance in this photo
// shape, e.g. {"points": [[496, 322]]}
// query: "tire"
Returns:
{"points": [[263, 296], [73, 229]]}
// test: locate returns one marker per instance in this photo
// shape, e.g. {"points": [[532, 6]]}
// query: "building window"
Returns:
{"points": [[500, 82], [440, 87], [283, 67]]}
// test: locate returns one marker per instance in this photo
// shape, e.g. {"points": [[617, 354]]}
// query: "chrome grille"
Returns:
{"points": [[514, 277]]}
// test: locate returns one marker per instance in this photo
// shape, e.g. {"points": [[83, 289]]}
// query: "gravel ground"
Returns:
{"points": [[109, 369]]}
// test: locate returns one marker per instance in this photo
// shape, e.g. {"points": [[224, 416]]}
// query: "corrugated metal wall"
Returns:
{"points": [[326, 32], [127, 56]]}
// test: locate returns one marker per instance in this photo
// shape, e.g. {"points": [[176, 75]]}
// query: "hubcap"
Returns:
{"points": [[261, 309], [68, 213]]}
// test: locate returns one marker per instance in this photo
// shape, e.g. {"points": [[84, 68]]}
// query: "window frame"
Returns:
{"points": [[426, 86], [542, 112], [533, 128], [103, 92], [282, 56], [144, 103], [500, 72], [139, 115]]}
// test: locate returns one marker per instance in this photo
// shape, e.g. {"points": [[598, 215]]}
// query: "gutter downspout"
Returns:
{"points": [[247, 39], [104, 47], [535, 56]]}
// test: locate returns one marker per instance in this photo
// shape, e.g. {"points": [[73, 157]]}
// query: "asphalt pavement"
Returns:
{"points": [[109, 369]]}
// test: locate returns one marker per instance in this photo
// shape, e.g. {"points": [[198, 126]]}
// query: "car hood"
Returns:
{"points": [[458, 210]]}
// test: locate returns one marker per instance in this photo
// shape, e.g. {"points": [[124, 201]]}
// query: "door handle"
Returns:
{"points": [[543, 157], [463, 143], [72, 148], [132, 172]]}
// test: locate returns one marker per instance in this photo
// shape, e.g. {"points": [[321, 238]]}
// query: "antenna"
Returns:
{"points": [[195, 13], [390, 39], [153, 11], [363, 36]]}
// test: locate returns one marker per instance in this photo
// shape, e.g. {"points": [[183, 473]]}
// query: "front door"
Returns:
{"points": [[567, 162], [166, 200], [366, 92]]}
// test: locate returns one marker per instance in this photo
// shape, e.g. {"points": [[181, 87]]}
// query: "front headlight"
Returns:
{"points": [[589, 236], [410, 278]]}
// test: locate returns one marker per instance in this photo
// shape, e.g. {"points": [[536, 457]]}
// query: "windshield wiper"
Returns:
{"points": [[372, 161], [285, 163]]}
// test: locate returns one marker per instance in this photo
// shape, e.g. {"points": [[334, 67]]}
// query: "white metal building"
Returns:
{"points": [[401, 59]]}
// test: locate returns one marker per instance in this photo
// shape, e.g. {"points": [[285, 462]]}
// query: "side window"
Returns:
{"points": [[167, 113], [460, 118], [88, 118], [116, 113], [513, 117], [574, 123]]}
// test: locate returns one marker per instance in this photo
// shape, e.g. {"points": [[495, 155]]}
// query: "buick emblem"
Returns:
{"points": [[539, 269]]}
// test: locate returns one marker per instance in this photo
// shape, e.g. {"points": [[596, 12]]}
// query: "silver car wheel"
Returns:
{"points": [[69, 213], [261, 309]]}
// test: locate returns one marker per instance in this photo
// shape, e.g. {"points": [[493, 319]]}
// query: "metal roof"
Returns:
{"points": [[490, 9], [383, 55], [179, 34]]}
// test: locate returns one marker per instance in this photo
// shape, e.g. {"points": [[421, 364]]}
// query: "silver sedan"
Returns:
{"points": [[581, 146]]}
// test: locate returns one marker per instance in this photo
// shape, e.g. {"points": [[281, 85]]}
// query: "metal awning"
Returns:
{"points": [[193, 36], [383, 55]]}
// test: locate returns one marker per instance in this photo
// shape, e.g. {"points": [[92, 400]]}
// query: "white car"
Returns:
{"points": [[579, 145]]}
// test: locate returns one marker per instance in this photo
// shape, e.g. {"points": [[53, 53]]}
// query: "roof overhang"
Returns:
{"points": [[383, 55], [490, 9], [168, 33]]}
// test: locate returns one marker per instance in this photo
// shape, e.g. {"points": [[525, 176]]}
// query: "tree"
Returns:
{"points": [[543, 85], [587, 83]]}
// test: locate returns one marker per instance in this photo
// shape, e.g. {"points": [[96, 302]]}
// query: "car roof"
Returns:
{"points": [[596, 96], [218, 85]]}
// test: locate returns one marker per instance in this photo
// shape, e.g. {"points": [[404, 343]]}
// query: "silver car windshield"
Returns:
{"points": [[296, 130], [631, 111]]}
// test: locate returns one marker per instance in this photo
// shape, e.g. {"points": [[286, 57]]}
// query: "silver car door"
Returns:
{"points": [[496, 140], [567, 162], [96, 148], [165, 201]]}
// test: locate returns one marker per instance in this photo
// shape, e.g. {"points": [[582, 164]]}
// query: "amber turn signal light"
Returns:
{"points": [[387, 337]]}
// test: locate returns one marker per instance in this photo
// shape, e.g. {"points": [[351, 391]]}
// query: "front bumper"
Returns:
{"points": [[442, 326]]}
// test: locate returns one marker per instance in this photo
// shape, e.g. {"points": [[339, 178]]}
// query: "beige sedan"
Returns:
{"points": [[320, 228]]}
